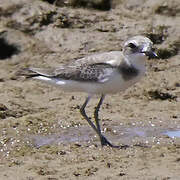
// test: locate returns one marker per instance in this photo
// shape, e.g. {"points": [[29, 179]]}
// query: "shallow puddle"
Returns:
{"points": [[118, 134], [173, 133]]}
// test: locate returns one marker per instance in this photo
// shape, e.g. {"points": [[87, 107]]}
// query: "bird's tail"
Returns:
{"points": [[33, 72], [27, 73]]}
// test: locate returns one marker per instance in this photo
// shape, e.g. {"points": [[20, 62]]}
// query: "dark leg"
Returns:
{"points": [[96, 112], [104, 141], [83, 113], [97, 129]]}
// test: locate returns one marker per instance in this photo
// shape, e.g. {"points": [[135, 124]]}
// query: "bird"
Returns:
{"points": [[101, 74]]}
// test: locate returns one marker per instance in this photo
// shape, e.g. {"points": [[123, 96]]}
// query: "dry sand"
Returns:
{"points": [[43, 136]]}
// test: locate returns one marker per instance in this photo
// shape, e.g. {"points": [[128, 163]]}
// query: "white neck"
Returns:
{"points": [[137, 60]]}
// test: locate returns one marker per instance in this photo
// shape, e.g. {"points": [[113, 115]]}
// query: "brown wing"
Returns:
{"points": [[96, 68], [99, 72]]}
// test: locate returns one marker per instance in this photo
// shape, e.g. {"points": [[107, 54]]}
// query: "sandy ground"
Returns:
{"points": [[43, 136]]}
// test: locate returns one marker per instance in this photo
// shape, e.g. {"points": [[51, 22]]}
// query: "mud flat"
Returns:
{"points": [[43, 136]]}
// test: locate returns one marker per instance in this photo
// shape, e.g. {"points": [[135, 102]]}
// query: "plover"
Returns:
{"points": [[103, 73]]}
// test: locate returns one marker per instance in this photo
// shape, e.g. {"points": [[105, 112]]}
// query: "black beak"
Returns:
{"points": [[151, 54]]}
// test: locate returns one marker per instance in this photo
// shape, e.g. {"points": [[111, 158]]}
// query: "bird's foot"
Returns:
{"points": [[105, 142]]}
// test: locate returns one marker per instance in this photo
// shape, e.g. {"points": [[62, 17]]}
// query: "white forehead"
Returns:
{"points": [[138, 41]]}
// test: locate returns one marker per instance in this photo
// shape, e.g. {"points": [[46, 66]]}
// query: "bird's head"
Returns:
{"points": [[139, 45]]}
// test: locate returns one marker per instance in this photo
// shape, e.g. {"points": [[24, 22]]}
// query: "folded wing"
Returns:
{"points": [[99, 72]]}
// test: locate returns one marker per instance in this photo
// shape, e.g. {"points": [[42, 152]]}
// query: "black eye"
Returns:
{"points": [[132, 46]]}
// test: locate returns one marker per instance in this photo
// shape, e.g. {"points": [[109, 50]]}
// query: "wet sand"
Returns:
{"points": [[42, 134]]}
